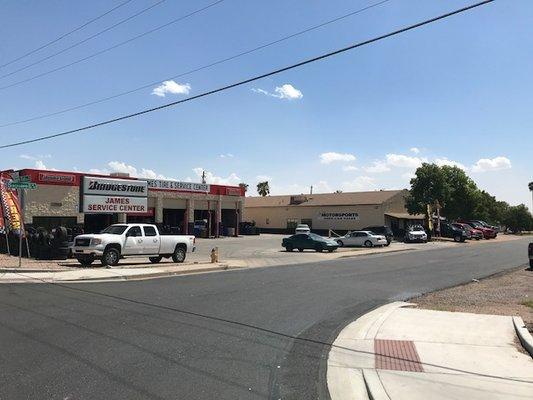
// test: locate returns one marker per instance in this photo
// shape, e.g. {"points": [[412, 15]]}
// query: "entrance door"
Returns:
{"points": [[134, 241]]}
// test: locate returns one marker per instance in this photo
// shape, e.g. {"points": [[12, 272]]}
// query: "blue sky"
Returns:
{"points": [[456, 91]]}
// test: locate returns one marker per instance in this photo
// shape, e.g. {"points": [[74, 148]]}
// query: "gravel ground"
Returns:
{"points": [[509, 293]]}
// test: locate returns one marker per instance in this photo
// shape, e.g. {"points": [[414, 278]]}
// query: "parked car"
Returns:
{"points": [[381, 230], [488, 233], [131, 240], [416, 233], [484, 224], [362, 238], [302, 228], [472, 233], [530, 252], [309, 241], [450, 231]]}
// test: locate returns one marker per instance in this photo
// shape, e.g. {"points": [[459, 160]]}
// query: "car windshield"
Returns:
{"points": [[115, 229]]}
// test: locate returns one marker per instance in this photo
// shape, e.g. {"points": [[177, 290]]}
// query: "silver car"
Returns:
{"points": [[362, 238]]}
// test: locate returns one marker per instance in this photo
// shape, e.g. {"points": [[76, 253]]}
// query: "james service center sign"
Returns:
{"points": [[109, 195]]}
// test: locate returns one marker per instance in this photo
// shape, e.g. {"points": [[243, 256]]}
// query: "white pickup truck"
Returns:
{"points": [[131, 240]]}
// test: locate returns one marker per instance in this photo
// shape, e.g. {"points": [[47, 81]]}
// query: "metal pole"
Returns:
{"points": [[7, 240], [20, 227]]}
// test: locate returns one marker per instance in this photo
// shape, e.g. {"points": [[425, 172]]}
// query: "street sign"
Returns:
{"points": [[22, 185], [24, 178]]}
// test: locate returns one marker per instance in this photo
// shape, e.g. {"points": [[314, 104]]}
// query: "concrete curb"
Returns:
{"points": [[375, 253], [122, 278], [373, 384], [345, 383], [523, 334]]}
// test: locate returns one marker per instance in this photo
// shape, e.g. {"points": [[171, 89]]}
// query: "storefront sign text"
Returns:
{"points": [[114, 204], [339, 215], [160, 184]]}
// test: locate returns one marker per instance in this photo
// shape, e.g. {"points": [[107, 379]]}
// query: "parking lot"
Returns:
{"points": [[257, 251]]}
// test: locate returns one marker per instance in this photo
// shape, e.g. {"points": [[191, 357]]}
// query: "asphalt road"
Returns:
{"points": [[252, 334]]}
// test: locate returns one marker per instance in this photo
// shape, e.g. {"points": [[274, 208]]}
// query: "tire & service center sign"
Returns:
{"points": [[110, 195]]}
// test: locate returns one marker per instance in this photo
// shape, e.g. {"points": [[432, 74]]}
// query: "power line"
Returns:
{"points": [[65, 34], [255, 78], [112, 47], [221, 61], [84, 40]]}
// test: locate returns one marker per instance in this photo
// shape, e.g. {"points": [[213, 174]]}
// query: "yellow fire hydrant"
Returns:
{"points": [[214, 255]]}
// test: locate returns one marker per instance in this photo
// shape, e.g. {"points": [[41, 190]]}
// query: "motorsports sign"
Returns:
{"points": [[338, 215], [109, 195], [160, 184]]}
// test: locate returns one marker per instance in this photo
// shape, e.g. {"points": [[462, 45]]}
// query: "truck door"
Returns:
{"points": [[151, 240], [134, 241]]}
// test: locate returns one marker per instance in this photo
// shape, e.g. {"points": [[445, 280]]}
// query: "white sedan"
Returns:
{"points": [[362, 238]]}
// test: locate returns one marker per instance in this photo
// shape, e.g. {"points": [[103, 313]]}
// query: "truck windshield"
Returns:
{"points": [[115, 229]]}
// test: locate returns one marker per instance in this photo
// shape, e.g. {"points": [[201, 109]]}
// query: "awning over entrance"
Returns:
{"points": [[406, 216]]}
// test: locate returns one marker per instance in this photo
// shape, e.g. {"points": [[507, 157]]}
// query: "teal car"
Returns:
{"points": [[311, 241]]}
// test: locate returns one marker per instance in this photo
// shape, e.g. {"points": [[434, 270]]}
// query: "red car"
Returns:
{"points": [[473, 233], [488, 233]]}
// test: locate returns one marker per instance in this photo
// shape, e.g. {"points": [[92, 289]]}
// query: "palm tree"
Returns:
{"points": [[263, 188], [244, 186]]}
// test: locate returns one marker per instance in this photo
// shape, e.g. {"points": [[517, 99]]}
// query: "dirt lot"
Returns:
{"points": [[509, 293]]}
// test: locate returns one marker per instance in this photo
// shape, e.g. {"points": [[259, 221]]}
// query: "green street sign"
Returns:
{"points": [[24, 178], [22, 185]]}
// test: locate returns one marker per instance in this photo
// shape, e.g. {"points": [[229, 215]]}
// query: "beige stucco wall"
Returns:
{"points": [[276, 217], [39, 202]]}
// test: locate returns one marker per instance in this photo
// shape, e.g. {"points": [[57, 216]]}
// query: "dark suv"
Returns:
{"points": [[380, 230], [450, 231]]}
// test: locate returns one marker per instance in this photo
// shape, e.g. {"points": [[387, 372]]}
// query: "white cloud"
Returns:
{"points": [[444, 161], [415, 150], [171, 87], [408, 176], [286, 91], [377, 167], [329, 157], [491, 164], [231, 179], [350, 168], [263, 178], [359, 183], [40, 165], [122, 167], [403, 161], [226, 155], [34, 158], [322, 187]]}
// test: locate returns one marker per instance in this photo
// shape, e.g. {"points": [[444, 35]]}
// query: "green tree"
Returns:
{"points": [[518, 218], [244, 186], [427, 187], [263, 188], [460, 194]]}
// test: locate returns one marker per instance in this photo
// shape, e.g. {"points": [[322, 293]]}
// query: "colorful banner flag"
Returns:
{"points": [[2, 219], [11, 205]]}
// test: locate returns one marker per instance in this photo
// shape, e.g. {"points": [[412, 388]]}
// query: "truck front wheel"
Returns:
{"points": [[110, 257], [179, 255]]}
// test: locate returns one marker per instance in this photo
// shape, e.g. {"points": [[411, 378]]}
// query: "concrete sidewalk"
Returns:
{"points": [[397, 353], [110, 274]]}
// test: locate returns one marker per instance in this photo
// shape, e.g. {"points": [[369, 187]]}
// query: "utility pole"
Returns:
{"points": [[311, 191], [203, 177], [531, 190]]}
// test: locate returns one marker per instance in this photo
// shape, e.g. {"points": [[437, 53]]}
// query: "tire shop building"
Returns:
{"points": [[340, 212], [92, 202]]}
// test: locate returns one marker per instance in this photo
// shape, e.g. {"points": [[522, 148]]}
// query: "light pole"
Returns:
{"points": [[531, 190]]}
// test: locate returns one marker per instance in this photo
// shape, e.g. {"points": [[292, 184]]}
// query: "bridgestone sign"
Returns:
{"points": [[118, 187], [110, 196]]}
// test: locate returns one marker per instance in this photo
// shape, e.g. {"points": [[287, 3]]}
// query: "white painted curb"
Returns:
{"points": [[523, 334], [345, 382]]}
